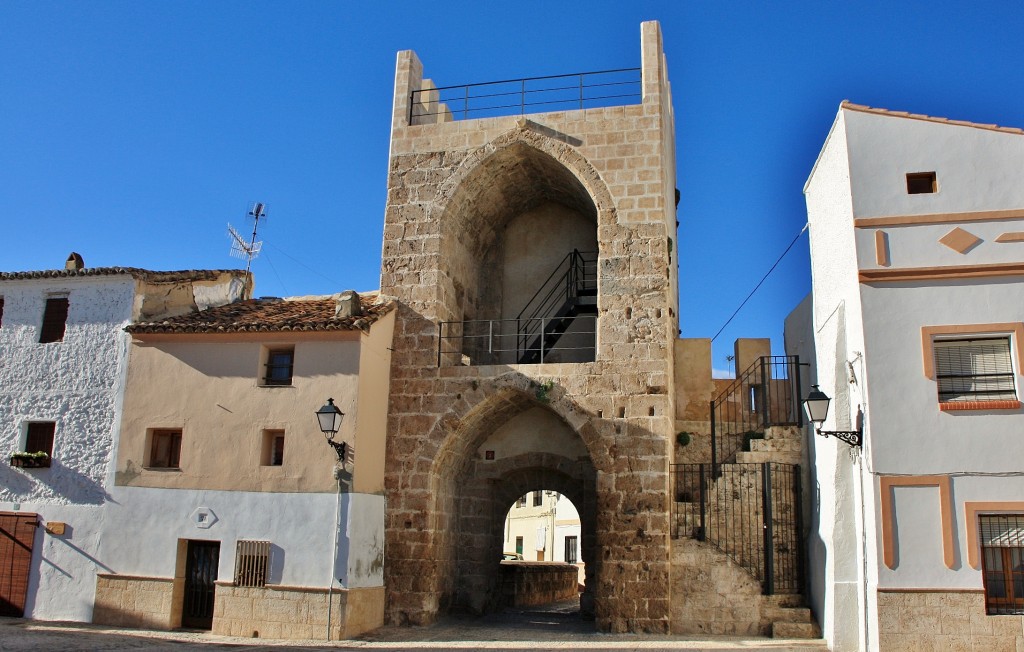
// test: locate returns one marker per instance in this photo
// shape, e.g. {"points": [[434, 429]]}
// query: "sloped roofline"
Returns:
{"points": [[847, 104], [134, 272]]}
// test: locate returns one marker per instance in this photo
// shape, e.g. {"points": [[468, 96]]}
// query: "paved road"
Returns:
{"points": [[523, 631]]}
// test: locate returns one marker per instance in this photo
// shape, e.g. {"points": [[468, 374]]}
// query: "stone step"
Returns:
{"points": [[784, 600], [776, 445], [783, 432], [795, 630], [787, 614], [759, 457]]}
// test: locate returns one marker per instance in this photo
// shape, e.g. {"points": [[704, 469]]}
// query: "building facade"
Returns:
{"points": [[915, 323], [63, 358], [229, 512]]}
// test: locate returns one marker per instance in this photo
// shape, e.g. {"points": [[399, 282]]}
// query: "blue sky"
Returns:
{"points": [[133, 132]]}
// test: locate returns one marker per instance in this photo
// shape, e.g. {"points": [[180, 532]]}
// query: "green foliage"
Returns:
{"points": [[543, 390], [38, 455], [683, 438]]}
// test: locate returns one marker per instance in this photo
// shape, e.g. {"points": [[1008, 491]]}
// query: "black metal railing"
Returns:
{"points": [[766, 394], [500, 341], [570, 290], [585, 90], [750, 512]]}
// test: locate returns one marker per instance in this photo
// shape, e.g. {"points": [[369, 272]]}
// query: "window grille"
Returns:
{"points": [[974, 370], [1002, 547], [522, 501], [279, 367], [252, 563], [538, 498]]}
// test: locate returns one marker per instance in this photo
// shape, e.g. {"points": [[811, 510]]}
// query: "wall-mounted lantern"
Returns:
{"points": [[329, 418], [816, 407]]}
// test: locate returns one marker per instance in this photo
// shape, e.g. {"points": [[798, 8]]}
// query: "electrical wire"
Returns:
{"points": [[299, 262], [763, 279], [274, 269]]}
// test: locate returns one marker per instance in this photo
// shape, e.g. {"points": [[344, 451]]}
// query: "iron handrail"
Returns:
{"points": [[580, 101], [561, 289], [496, 341]]}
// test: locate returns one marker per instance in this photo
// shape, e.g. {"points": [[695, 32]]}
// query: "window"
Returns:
{"points": [[273, 448], [165, 449], [279, 367], [570, 550], [39, 437], [1, 312], [519, 545], [974, 370], [920, 183], [522, 501], [1002, 563], [538, 498], [252, 563], [55, 317]]}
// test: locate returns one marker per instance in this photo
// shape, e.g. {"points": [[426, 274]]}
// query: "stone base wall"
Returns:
{"points": [[711, 595], [143, 602], [528, 583], [912, 621], [285, 612]]}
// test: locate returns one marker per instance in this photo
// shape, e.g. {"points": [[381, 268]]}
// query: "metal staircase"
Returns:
{"points": [[569, 292]]}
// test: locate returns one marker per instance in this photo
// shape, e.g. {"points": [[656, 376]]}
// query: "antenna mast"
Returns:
{"points": [[248, 250]]}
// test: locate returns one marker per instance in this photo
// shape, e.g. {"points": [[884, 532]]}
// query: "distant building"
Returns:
{"points": [[915, 324], [544, 526], [230, 512], [63, 357]]}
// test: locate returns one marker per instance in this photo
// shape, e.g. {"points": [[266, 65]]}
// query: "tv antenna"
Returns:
{"points": [[248, 250]]}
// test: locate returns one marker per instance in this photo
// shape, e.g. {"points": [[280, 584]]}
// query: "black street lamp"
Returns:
{"points": [[816, 407], [329, 418]]}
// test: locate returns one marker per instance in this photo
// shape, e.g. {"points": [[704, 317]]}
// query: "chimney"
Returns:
{"points": [[347, 305], [74, 262]]}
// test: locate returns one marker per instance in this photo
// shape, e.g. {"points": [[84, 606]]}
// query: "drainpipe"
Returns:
{"points": [[334, 557]]}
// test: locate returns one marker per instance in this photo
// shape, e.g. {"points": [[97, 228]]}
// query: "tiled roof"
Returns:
{"points": [[135, 272], [270, 315], [846, 104]]}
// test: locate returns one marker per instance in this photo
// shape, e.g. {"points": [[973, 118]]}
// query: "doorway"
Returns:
{"points": [[17, 534], [201, 563]]}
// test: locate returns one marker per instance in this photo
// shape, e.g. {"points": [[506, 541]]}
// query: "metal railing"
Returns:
{"points": [[585, 90], [559, 298], [750, 512], [766, 394], [500, 341]]}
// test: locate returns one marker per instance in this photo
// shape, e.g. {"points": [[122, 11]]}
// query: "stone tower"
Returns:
{"points": [[572, 215]]}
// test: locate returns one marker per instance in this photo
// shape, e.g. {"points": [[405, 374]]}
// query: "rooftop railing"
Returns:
{"points": [[584, 90]]}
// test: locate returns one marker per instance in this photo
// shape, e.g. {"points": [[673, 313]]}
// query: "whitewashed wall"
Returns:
{"points": [[75, 383]]}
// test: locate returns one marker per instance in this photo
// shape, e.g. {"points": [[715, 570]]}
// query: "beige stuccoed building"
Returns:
{"points": [[229, 511]]}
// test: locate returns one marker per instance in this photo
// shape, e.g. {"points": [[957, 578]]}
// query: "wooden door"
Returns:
{"points": [[202, 559], [17, 533]]}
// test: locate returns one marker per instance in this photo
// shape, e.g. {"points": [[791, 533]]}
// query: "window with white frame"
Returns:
{"points": [[1002, 555], [252, 563], [978, 369]]}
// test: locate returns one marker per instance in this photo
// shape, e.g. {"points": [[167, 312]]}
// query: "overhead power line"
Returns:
{"points": [[759, 283]]}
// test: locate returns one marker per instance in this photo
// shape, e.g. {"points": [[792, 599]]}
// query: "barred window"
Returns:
{"points": [[252, 563], [570, 550], [974, 370], [1002, 548]]}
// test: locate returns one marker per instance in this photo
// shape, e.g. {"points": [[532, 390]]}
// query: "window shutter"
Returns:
{"points": [[55, 316], [39, 437], [974, 370], [1002, 531]]}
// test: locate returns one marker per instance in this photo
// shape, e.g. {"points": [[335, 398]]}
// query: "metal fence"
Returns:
{"points": [[750, 512], [585, 90], [766, 394]]}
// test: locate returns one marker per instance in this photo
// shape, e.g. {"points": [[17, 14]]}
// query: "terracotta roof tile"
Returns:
{"points": [[135, 272], [847, 104], [268, 315]]}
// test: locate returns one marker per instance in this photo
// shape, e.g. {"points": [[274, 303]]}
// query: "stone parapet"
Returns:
{"points": [[525, 583]]}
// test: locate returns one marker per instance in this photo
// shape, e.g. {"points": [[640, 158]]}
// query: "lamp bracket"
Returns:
{"points": [[339, 448], [853, 438]]}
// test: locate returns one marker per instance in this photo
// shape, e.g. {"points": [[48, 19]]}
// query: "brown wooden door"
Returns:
{"points": [[200, 574], [17, 532]]}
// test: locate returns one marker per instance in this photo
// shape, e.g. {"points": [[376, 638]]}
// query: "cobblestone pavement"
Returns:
{"points": [[533, 631]]}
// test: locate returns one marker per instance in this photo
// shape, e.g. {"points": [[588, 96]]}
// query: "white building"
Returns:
{"points": [[63, 357], [544, 526], [915, 325]]}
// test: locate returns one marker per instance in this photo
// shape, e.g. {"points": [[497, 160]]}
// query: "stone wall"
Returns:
{"points": [[285, 612], [525, 583], [143, 602], [452, 189], [913, 621]]}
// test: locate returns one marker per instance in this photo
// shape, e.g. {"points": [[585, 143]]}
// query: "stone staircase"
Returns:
{"points": [[712, 595], [780, 444]]}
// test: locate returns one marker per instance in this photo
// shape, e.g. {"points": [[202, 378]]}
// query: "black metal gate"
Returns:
{"points": [[750, 512], [201, 563]]}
